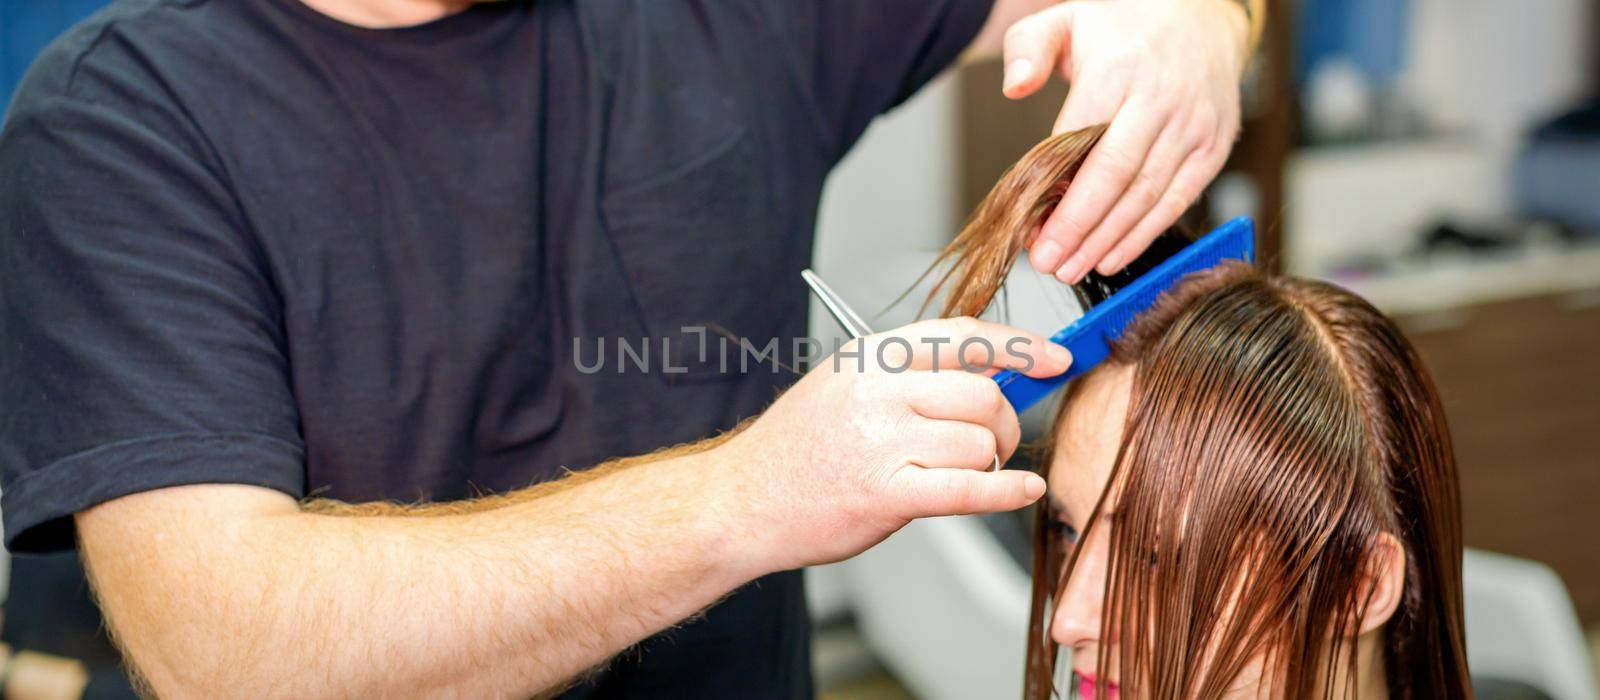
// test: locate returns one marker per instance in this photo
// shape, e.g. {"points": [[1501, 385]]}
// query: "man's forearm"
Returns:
{"points": [[227, 590], [506, 596]]}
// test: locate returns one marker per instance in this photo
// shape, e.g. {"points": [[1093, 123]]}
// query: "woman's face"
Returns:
{"points": [[1085, 451]]}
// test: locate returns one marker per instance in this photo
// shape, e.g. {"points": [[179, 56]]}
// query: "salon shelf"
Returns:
{"points": [[1442, 288], [1364, 200]]}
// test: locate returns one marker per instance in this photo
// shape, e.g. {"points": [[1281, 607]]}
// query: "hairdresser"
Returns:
{"points": [[311, 314]]}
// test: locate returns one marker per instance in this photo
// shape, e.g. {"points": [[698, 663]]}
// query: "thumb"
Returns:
{"points": [[1034, 46], [928, 493]]}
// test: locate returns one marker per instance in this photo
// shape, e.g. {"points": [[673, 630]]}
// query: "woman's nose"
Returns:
{"points": [[1077, 614]]}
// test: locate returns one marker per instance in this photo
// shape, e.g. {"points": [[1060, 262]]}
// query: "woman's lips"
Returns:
{"points": [[1086, 688]]}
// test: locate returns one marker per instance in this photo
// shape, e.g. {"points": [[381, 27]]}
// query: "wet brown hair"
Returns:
{"points": [[976, 262], [1277, 427]]}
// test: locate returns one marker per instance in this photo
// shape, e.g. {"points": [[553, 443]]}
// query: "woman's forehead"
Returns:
{"points": [[1090, 433]]}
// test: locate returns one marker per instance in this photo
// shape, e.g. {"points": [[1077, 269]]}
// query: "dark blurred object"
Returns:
{"points": [[109, 683], [1580, 123], [1494, 689], [1450, 236], [49, 609], [1451, 239], [1557, 175]]}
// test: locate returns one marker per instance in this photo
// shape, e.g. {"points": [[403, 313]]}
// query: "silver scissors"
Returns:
{"points": [[847, 317]]}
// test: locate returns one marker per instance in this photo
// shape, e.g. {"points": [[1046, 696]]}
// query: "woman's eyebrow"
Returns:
{"points": [[1055, 502]]}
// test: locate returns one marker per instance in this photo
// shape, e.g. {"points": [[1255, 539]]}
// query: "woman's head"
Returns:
{"points": [[1267, 500], [1255, 495]]}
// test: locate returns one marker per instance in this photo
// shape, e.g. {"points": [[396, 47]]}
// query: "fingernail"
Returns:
{"points": [[1018, 72], [1047, 255], [1032, 487], [1059, 354], [1111, 263], [1080, 267], [1072, 271]]}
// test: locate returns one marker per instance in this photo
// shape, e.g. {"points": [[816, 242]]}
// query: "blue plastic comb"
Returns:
{"points": [[1089, 338]]}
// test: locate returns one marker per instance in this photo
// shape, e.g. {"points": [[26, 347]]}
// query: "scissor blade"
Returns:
{"points": [[853, 325]]}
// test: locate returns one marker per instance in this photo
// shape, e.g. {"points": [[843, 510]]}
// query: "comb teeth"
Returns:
{"points": [[1135, 299], [1090, 337], [1095, 288]]}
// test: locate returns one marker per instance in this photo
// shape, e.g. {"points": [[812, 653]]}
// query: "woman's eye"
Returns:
{"points": [[1068, 533]]}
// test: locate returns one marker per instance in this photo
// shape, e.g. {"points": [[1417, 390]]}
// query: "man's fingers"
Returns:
{"points": [[1083, 108], [948, 444], [1202, 158], [935, 492], [959, 396], [967, 399], [968, 344], [1186, 188], [1105, 175], [1034, 46], [1157, 221], [1088, 106], [1153, 181]]}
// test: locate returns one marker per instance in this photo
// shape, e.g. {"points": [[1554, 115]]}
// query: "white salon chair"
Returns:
{"points": [[1521, 626]]}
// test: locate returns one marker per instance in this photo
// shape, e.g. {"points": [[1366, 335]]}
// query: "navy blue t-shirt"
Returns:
{"points": [[241, 242]]}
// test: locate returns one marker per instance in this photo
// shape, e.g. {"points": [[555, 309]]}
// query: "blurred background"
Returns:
{"points": [[1439, 157]]}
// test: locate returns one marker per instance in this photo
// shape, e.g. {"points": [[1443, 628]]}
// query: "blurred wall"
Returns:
{"points": [[1494, 67]]}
